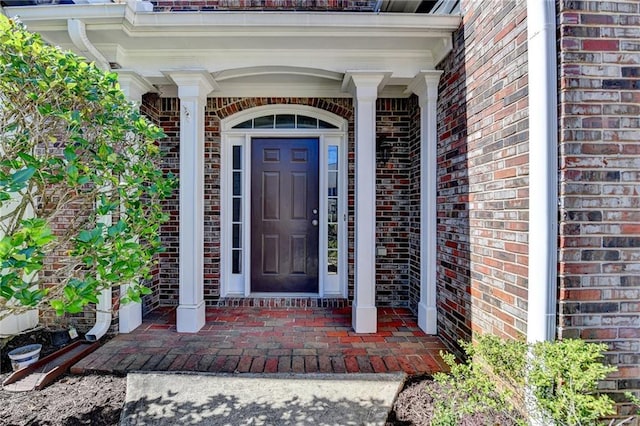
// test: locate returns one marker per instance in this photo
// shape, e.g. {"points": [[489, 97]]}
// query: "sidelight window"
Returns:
{"points": [[332, 206], [236, 224]]}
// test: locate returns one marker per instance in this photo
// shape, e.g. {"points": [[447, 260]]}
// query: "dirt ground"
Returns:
{"points": [[71, 400], [98, 400]]}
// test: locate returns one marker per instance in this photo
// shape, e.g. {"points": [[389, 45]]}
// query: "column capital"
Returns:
{"points": [[192, 83], [365, 85], [134, 85], [425, 85]]}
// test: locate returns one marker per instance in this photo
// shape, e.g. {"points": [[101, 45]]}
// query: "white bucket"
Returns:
{"points": [[24, 356]]}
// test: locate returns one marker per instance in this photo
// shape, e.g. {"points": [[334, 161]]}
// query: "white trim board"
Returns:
{"points": [[239, 285]]}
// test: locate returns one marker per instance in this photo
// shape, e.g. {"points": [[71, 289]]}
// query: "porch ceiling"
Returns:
{"points": [[273, 46]]}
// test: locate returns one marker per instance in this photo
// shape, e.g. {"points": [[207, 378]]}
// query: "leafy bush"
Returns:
{"points": [[564, 377], [80, 186], [468, 390], [561, 376]]}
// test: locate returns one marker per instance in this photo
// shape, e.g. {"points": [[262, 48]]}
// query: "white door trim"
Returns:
{"points": [[239, 285]]}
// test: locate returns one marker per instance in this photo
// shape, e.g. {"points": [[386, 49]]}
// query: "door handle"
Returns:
{"points": [[314, 222]]}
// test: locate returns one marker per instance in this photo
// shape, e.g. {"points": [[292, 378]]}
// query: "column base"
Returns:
{"points": [[427, 318], [129, 317], [190, 318], [364, 319]]}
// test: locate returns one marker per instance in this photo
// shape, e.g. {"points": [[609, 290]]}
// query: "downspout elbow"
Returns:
{"points": [[103, 317]]}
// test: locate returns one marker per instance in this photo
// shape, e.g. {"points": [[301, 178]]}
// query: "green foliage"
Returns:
{"points": [[80, 185], [562, 377], [467, 389]]}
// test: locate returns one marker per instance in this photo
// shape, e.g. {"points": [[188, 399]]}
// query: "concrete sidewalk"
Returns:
{"points": [[247, 399]]}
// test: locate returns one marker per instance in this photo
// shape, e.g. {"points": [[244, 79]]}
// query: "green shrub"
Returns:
{"points": [[564, 378], [468, 390], [71, 142], [561, 378]]}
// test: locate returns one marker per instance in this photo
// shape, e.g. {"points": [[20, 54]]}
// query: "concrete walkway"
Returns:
{"points": [[246, 399]]}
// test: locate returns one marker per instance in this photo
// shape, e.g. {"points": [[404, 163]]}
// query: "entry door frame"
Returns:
{"points": [[239, 284], [293, 200]]}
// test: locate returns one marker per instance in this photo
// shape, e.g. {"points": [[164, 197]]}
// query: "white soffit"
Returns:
{"points": [[248, 51]]}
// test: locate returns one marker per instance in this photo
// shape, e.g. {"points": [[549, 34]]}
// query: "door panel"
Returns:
{"points": [[271, 196], [284, 218]]}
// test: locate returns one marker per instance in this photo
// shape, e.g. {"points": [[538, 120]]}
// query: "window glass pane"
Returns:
{"points": [[236, 236], [237, 183], [237, 157], [236, 209], [286, 121], [265, 122], [305, 122], [332, 257], [333, 236], [332, 214], [333, 157], [332, 184], [332, 210], [235, 261], [244, 125], [324, 125]]}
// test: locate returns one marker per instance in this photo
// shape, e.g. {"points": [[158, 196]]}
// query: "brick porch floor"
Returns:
{"points": [[271, 340]]}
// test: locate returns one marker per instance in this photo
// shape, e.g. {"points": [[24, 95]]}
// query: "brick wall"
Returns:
{"points": [[394, 119], [414, 204], [393, 122], [306, 5], [168, 274], [483, 175], [599, 84], [217, 109], [150, 107]]}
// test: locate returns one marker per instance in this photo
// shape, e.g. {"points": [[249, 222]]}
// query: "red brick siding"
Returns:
{"points": [[483, 175], [599, 143], [168, 276], [453, 249], [414, 204], [393, 184], [393, 122], [150, 107], [216, 109], [307, 5]]}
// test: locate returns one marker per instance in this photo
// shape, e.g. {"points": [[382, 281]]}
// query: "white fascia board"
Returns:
{"points": [[58, 14], [399, 23], [323, 24]]}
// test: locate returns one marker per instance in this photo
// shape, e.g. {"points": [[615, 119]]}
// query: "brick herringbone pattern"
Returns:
{"points": [[259, 340]]}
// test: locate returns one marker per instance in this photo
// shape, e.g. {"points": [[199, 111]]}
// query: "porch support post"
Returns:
{"points": [[425, 85], [193, 88], [133, 86], [364, 87]]}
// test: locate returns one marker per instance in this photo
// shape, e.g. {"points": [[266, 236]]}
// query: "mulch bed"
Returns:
{"points": [[71, 400]]}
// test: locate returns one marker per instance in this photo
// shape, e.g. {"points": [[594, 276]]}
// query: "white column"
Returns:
{"points": [[364, 87], [425, 85], [193, 88], [133, 86]]}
